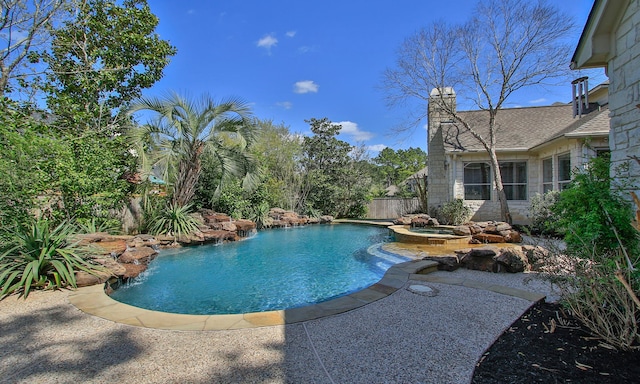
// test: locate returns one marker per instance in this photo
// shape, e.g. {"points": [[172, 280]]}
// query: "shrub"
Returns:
{"points": [[39, 256], [173, 220], [602, 248], [453, 212], [591, 212], [541, 214]]}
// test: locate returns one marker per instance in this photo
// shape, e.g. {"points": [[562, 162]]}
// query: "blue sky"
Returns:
{"points": [[294, 60]]}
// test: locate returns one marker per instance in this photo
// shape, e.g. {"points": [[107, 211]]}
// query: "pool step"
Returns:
{"points": [[387, 258]]}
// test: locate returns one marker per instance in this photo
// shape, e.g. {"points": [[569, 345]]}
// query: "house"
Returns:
{"points": [[537, 148], [611, 40]]}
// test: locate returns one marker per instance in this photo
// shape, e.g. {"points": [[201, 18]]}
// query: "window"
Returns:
{"points": [[477, 181], [547, 175], [564, 171], [514, 179]]}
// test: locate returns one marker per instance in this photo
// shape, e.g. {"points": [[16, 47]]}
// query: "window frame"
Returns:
{"points": [[515, 184], [547, 178], [563, 183], [485, 186]]}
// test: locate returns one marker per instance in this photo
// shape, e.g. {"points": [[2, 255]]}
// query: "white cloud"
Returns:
{"points": [[291, 33], [376, 147], [538, 101], [305, 86], [350, 128], [285, 104], [267, 42]]}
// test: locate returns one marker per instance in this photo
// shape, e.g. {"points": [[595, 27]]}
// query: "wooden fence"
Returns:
{"points": [[391, 207]]}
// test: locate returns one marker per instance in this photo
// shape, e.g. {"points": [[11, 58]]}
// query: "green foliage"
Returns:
{"points": [[394, 167], [39, 256], [173, 220], [28, 153], [591, 213], [278, 152], [102, 60], [241, 203], [184, 132], [95, 225], [542, 217], [454, 212], [335, 180]]}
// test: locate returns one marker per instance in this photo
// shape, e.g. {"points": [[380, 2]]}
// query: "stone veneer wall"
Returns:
{"points": [[624, 91], [437, 181]]}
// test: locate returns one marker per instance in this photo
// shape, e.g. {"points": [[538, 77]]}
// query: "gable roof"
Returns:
{"points": [[523, 129], [596, 41]]}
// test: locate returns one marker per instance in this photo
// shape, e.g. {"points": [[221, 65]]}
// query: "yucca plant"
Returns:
{"points": [[173, 220], [38, 256]]}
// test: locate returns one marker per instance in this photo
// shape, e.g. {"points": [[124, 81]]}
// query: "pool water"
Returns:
{"points": [[276, 269]]}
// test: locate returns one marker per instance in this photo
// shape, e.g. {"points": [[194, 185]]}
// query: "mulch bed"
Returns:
{"points": [[547, 345]]}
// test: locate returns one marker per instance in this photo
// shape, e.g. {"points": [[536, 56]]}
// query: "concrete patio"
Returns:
{"points": [[397, 337]]}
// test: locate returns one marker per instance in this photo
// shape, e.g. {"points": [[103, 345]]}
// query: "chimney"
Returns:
{"points": [[580, 96]]}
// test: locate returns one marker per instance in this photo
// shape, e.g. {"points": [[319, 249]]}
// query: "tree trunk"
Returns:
{"points": [[497, 179]]}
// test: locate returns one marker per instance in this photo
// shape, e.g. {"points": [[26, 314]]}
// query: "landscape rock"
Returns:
{"points": [[513, 259], [445, 263], [480, 259], [462, 230], [489, 238], [138, 256]]}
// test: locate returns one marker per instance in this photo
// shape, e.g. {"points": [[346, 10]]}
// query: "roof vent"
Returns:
{"points": [[580, 96]]}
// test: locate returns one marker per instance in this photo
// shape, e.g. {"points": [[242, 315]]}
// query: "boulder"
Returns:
{"points": [[432, 222], [404, 220], [462, 230], [480, 259], [85, 279], [113, 247], [229, 226], [325, 219], [138, 256], [133, 270], [511, 236], [488, 238], [445, 263], [514, 260]]}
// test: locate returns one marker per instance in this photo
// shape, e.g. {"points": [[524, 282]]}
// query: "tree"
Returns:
{"points": [[184, 131], [278, 152], [334, 181], [397, 166], [102, 60], [506, 46], [24, 34]]}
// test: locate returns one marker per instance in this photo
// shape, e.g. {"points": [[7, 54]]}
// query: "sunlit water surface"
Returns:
{"points": [[276, 269]]}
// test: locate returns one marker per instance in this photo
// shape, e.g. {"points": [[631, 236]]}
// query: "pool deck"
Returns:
{"points": [[408, 328], [94, 301]]}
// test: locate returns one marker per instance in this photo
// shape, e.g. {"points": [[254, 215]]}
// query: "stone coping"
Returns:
{"points": [[93, 300]]}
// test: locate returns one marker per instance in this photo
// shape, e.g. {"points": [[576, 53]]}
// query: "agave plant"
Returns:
{"points": [[39, 256], [173, 220]]}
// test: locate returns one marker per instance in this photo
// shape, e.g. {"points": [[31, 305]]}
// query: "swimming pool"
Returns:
{"points": [[276, 269]]}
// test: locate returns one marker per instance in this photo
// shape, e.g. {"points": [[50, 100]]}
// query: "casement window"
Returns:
{"points": [[564, 171], [547, 175], [514, 179], [477, 181]]}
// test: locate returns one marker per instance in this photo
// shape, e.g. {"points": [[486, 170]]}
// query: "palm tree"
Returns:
{"points": [[182, 131]]}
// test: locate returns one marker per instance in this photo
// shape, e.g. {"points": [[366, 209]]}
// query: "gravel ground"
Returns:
{"points": [[405, 337]]}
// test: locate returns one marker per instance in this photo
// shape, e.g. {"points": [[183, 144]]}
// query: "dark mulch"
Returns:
{"points": [[547, 345]]}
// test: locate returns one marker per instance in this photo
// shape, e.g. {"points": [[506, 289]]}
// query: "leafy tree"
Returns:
{"points": [[397, 166], [102, 60], [27, 160], [506, 46], [332, 183], [278, 152], [183, 132]]}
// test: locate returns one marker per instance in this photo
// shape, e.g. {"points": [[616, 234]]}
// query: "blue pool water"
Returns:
{"points": [[276, 269]]}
